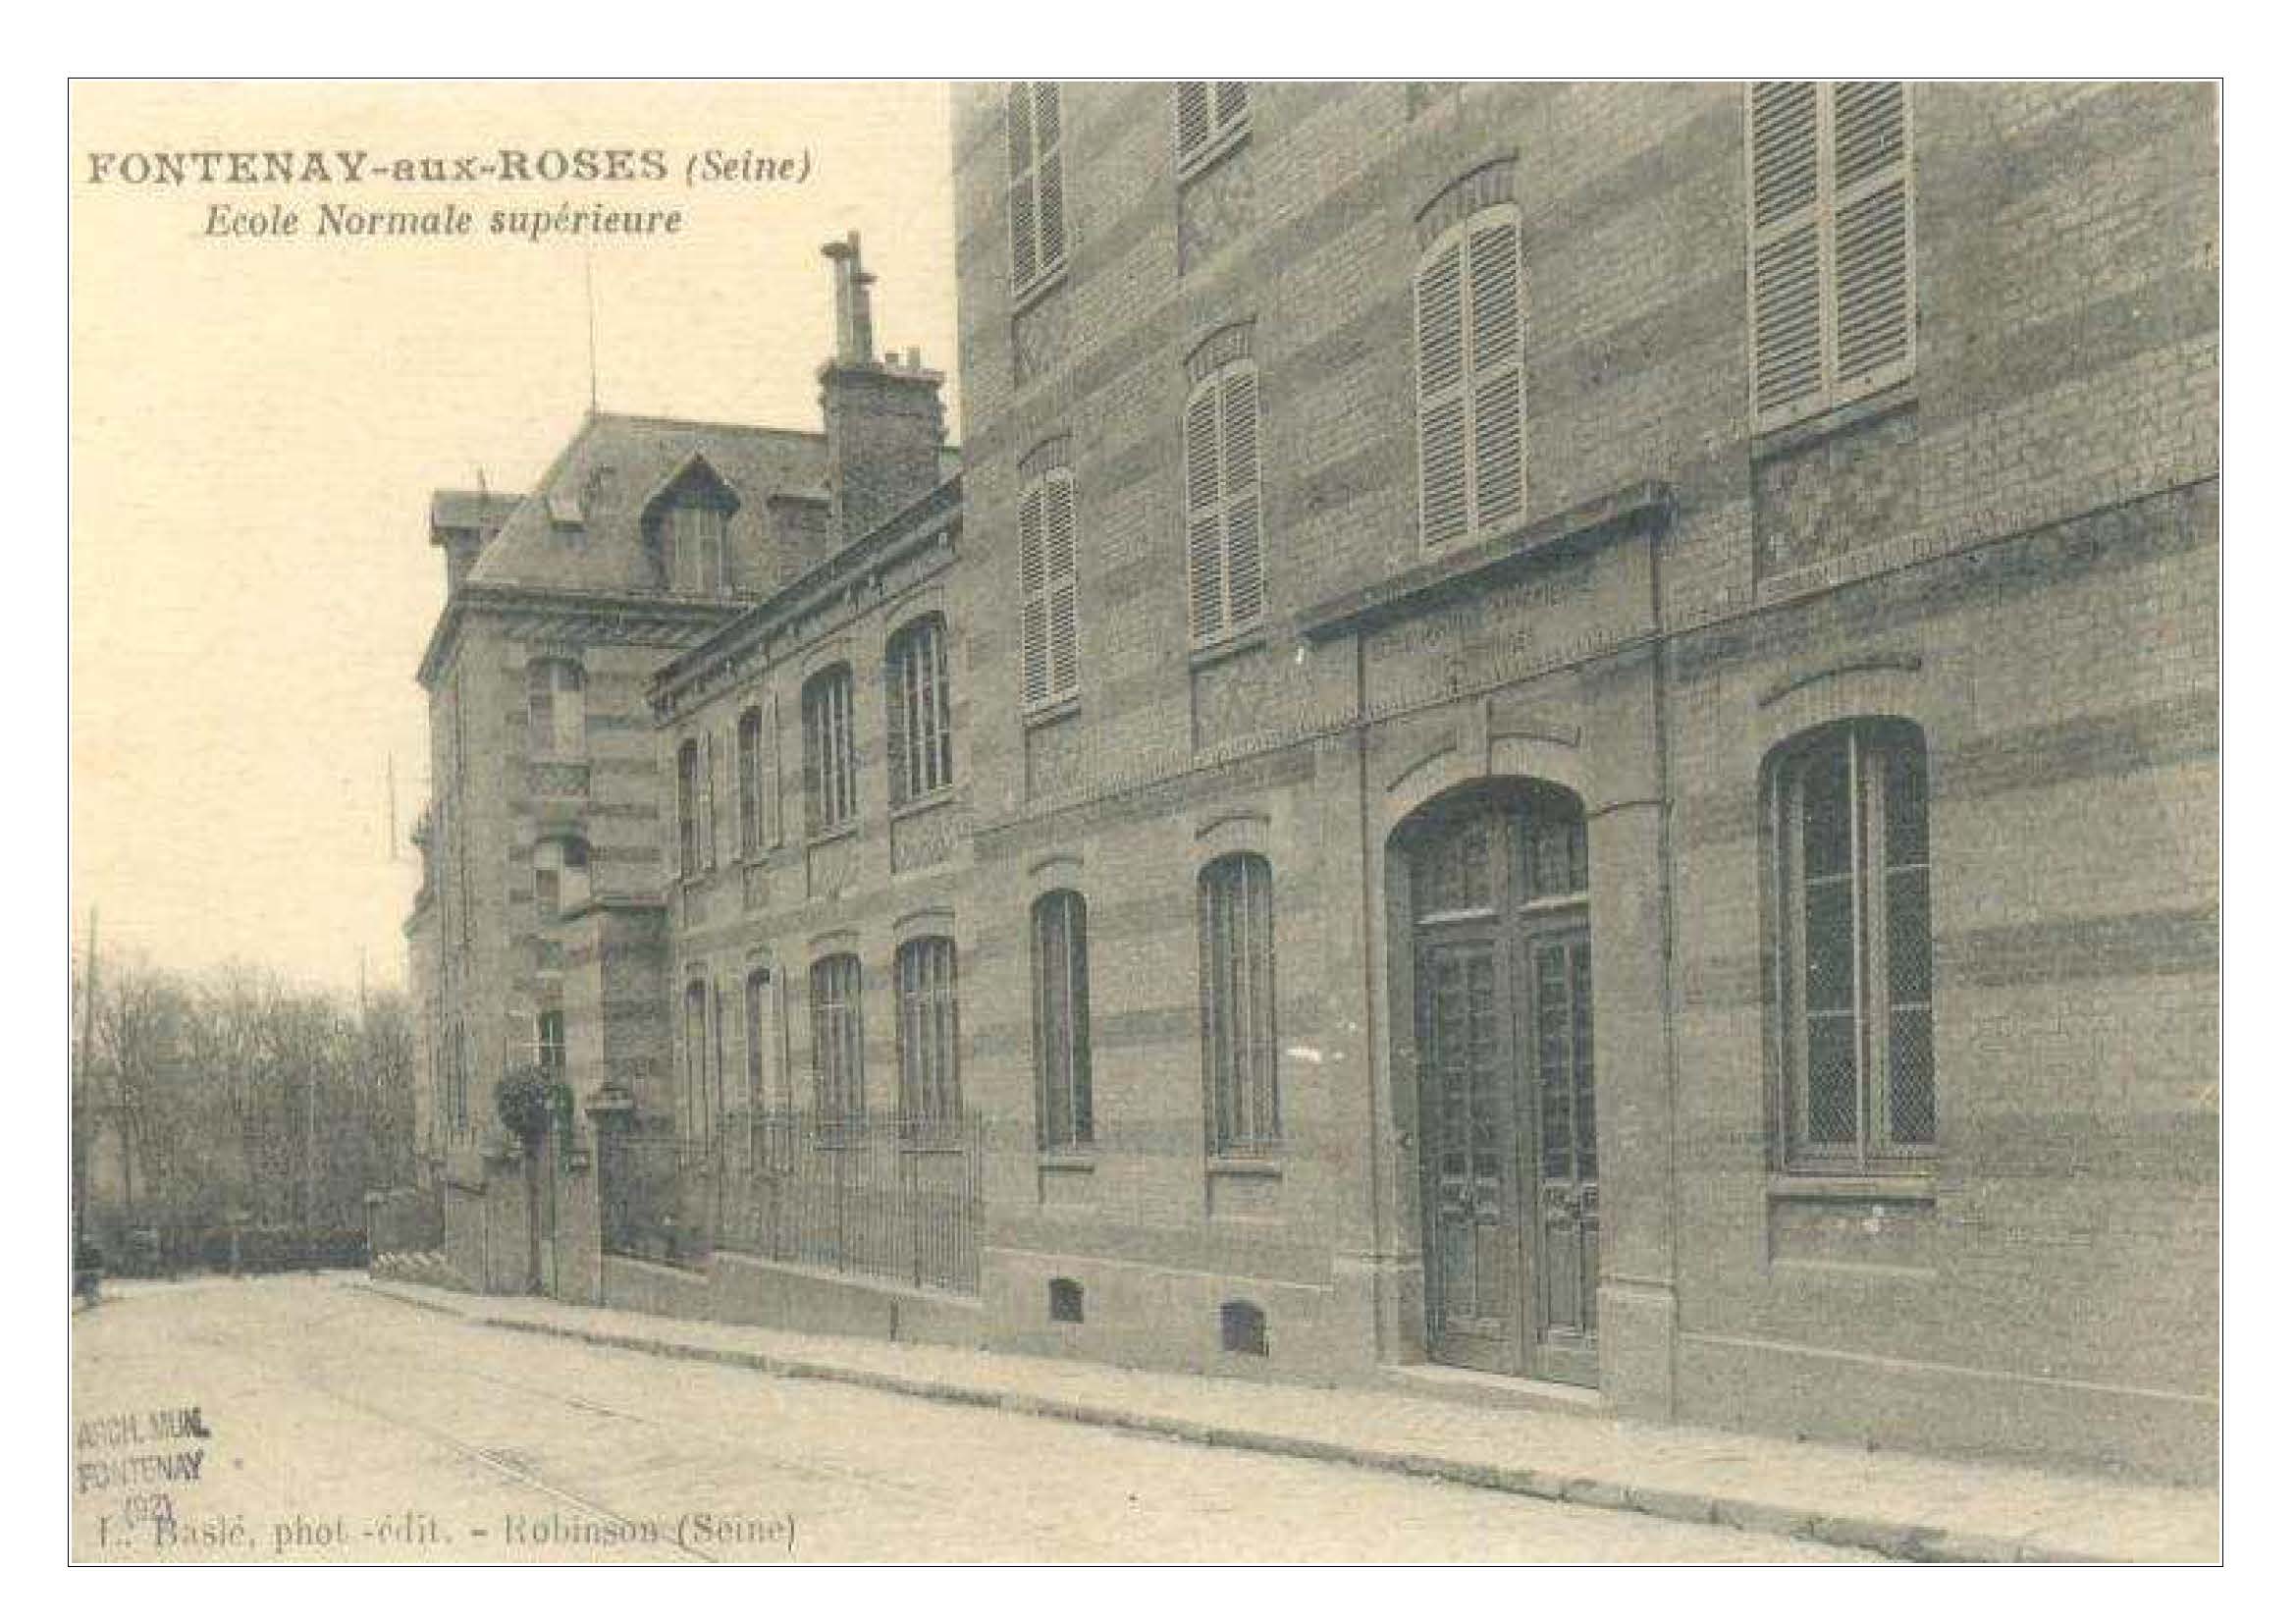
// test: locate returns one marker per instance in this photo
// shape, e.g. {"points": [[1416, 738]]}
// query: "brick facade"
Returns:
{"points": [[2012, 549]]}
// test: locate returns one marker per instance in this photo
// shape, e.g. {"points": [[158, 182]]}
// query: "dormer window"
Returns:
{"points": [[687, 529]]}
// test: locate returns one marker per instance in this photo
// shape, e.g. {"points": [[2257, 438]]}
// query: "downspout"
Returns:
{"points": [[1386, 1336], [1671, 1047]]}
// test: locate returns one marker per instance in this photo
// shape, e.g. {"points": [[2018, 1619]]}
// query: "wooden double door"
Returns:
{"points": [[1503, 987]]}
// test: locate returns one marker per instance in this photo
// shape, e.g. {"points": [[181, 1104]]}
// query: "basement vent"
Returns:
{"points": [[1243, 1328]]}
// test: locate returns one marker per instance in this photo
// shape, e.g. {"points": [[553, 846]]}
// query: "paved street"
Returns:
{"points": [[331, 1424]]}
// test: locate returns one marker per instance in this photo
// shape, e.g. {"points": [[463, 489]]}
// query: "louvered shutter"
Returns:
{"points": [[1443, 511], [1060, 577], [1494, 257], [1051, 212], [1873, 249], [1192, 109], [1240, 454], [1786, 277], [1036, 670], [1228, 101], [1205, 589], [1019, 123]]}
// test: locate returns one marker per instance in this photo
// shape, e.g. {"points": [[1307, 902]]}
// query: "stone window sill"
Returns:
{"points": [[1233, 645], [1243, 1166], [1196, 163], [1914, 1184], [1832, 420], [945, 795], [1035, 292], [1056, 710]]}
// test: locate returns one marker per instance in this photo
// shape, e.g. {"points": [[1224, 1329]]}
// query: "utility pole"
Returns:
{"points": [[79, 1090]]}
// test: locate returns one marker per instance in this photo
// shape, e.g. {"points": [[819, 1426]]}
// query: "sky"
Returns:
{"points": [[257, 423]]}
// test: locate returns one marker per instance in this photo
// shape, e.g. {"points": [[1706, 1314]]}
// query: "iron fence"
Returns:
{"points": [[889, 1197]]}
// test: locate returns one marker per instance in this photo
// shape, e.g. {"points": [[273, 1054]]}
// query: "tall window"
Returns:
{"points": [[1831, 253], [1225, 571], [562, 878], [689, 807], [1040, 233], [919, 745], [701, 1103], [755, 991], [830, 801], [550, 1041], [1049, 645], [1849, 809], [693, 546], [554, 710], [1470, 320], [924, 991], [839, 1093], [1207, 116], [1235, 919], [1062, 982], [749, 754]]}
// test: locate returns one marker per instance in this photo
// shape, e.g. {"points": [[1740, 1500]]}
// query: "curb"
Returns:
{"points": [[1898, 1541]]}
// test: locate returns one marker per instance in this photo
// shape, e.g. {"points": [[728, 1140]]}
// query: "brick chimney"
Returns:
{"points": [[884, 418]]}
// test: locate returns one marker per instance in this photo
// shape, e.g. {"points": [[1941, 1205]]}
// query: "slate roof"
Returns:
{"points": [[609, 473]]}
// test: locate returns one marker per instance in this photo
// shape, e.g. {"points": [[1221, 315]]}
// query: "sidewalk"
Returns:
{"points": [[1903, 1505]]}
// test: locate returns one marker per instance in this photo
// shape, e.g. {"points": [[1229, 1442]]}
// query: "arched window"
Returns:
{"points": [[1039, 236], [749, 769], [920, 748], [830, 802], [1235, 917], [689, 807], [1226, 565], [1061, 983], [839, 1094], [699, 1115], [756, 990], [1468, 300], [1848, 809], [555, 720], [925, 992], [1049, 619]]}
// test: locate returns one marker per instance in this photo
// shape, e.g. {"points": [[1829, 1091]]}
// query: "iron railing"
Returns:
{"points": [[895, 1197]]}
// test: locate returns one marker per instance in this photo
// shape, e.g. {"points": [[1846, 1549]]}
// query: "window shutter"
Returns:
{"points": [[1193, 111], [1228, 98], [1060, 571], [1022, 195], [1871, 235], [1443, 515], [1051, 212], [1034, 667], [1495, 273], [1200, 432], [1239, 447], [1786, 279]]}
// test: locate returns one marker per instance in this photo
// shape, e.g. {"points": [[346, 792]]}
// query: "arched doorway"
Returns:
{"points": [[1494, 886]]}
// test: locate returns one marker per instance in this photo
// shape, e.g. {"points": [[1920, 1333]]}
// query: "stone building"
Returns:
{"points": [[1566, 732]]}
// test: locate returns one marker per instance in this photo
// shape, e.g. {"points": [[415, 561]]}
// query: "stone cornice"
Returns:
{"points": [[576, 615], [841, 585], [1646, 505]]}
